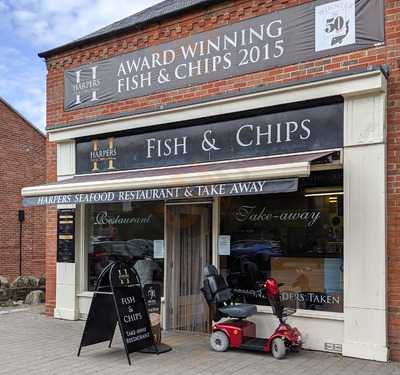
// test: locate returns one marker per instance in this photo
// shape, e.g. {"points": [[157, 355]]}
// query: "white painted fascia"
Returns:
{"points": [[347, 86], [298, 169]]}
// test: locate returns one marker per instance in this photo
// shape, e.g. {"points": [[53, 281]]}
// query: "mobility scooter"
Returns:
{"points": [[237, 332]]}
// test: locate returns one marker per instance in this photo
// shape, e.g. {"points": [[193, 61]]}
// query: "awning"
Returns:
{"points": [[243, 177]]}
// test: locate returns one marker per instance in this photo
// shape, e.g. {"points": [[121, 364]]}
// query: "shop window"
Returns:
{"points": [[126, 232], [296, 238]]}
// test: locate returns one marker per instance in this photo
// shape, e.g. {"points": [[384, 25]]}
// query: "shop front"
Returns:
{"points": [[283, 191], [252, 137]]}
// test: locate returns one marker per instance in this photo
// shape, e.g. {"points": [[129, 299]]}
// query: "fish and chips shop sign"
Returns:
{"points": [[310, 31], [313, 128]]}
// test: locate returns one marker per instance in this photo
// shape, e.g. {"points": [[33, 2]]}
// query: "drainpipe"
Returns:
{"points": [[21, 219]]}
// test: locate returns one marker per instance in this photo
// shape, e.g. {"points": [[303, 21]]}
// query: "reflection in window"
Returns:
{"points": [[296, 238], [125, 232]]}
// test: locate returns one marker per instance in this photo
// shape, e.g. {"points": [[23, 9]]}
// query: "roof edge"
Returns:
{"points": [[109, 35], [34, 127]]}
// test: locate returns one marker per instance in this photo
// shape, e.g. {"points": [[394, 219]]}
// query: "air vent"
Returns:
{"points": [[333, 348]]}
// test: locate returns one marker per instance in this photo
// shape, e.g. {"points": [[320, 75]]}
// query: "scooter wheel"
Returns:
{"points": [[219, 341], [278, 348]]}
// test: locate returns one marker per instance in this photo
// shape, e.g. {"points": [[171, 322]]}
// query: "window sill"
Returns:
{"points": [[312, 314], [86, 294], [307, 313]]}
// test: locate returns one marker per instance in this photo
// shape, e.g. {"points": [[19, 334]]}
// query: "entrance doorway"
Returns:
{"points": [[188, 251]]}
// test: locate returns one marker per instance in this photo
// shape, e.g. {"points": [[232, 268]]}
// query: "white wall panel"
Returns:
{"points": [[66, 158], [365, 119], [65, 292], [365, 252]]}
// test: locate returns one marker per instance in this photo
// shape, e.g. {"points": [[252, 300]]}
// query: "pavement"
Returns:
{"points": [[32, 343]]}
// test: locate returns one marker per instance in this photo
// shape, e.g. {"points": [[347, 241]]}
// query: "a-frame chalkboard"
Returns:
{"points": [[118, 299]]}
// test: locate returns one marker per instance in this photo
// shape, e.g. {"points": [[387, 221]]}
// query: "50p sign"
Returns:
{"points": [[335, 25]]}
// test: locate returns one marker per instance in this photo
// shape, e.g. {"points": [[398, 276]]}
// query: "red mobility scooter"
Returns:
{"points": [[239, 333]]}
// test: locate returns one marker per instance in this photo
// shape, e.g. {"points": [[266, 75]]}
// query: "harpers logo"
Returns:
{"points": [[124, 277], [86, 85], [103, 156]]}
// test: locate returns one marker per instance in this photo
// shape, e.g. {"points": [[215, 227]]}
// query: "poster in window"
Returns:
{"points": [[224, 245]]}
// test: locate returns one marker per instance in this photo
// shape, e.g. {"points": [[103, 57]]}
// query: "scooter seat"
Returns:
{"points": [[238, 311]]}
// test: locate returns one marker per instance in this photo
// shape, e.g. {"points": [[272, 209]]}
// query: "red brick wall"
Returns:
{"points": [[51, 233], [230, 12], [22, 163]]}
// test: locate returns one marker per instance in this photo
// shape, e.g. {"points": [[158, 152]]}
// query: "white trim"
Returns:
{"points": [[66, 314], [365, 351], [215, 220], [81, 250], [356, 84], [164, 304], [299, 169], [85, 294]]}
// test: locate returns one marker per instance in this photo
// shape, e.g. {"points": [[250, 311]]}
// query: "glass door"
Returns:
{"points": [[188, 251]]}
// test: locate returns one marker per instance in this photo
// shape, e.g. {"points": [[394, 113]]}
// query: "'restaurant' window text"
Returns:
{"points": [[127, 232]]}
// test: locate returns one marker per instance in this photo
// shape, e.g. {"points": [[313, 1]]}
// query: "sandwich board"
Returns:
{"points": [[118, 300]]}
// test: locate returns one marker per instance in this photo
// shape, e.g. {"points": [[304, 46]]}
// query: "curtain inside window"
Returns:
{"points": [[190, 248]]}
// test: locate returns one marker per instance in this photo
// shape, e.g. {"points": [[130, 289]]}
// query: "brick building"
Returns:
{"points": [[23, 158], [279, 117]]}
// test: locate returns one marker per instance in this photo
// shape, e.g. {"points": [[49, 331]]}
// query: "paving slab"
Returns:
{"points": [[34, 344]]}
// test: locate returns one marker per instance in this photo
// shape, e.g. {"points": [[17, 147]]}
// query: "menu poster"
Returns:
{"points": [[152, 295], [159, 249], [66, 236], [224, 245]]}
